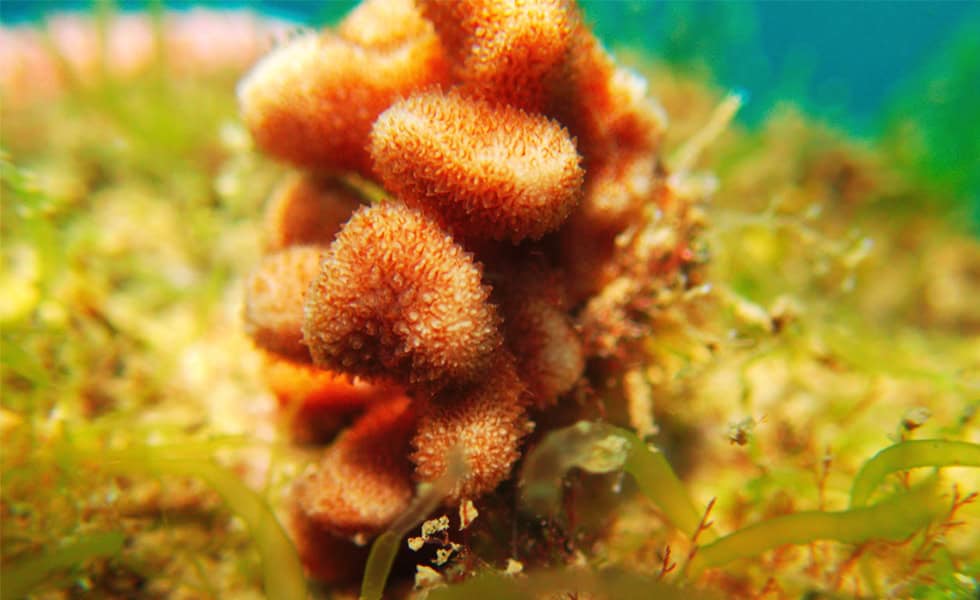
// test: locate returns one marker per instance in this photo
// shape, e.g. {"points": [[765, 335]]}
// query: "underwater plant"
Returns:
{"points": [[503, 317]]}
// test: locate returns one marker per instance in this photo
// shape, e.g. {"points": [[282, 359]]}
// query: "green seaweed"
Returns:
{"points": [[609, 583], [895, 518], [26, 574], [932, 126], [386, 546], [282, 572], [603, 448], [911, 454]]}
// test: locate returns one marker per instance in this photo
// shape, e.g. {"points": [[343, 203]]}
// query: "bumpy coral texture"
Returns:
{"points": [[385, 24], [512, 52], [307, 210], [274, 296], [540, 331], [486, 421], [312, 101], [605, 105], [485, 170], [364, 480], [397, 298]]}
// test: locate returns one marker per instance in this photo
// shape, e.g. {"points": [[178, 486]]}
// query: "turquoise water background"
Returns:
{"points": [[862, 66]]}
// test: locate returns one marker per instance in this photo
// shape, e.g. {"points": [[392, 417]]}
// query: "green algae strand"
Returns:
{"points": [[892, 519], [911, 454], [603, 448]]}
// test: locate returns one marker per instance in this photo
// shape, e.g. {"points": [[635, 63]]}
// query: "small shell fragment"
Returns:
{"points": [[467, 514]]}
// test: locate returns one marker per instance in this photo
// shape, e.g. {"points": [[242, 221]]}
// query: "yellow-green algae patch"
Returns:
{"points": [[127, 225]]}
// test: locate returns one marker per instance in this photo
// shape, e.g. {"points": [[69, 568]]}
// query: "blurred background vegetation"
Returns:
{"points": [[904, 72]]}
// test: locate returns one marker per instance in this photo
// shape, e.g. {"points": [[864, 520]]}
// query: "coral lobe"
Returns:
{"points": [[397, 299], [488, 170]]}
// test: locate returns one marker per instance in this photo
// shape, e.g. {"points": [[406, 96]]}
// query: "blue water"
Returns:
{"points": [[841, 59]]}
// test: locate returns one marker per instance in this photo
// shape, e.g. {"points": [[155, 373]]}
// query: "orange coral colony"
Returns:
{"points": [[518, 166]]}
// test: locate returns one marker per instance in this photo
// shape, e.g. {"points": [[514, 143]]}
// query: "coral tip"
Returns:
{"points": [[505, 51], [311, 102], [486, 171]]}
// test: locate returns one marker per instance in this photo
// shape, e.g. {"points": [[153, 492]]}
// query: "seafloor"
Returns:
{"points": [[839, 316]]}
